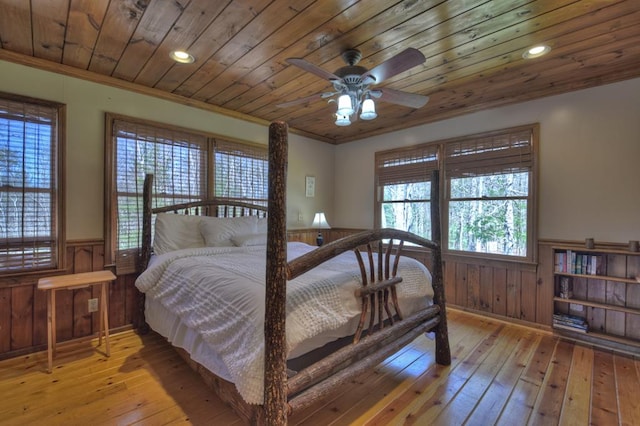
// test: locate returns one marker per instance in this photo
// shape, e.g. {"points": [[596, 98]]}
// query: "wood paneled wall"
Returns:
{"points": [[23, 308], [504, 289]]}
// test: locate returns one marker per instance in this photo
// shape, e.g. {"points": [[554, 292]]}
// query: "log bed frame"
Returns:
{"points": [[284, 395]]}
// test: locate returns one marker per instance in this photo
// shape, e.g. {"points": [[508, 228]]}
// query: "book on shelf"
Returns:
{"points": [[560, 262], [578, 267], [570, 262], [569, 318], [566, 288], [570, 322], [570, 328]]}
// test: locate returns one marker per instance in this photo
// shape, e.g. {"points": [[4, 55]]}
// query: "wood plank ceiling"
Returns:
{"points": [[473, 51]]}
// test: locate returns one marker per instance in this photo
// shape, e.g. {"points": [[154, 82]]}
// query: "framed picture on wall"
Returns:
{"points": [[310, 186]]}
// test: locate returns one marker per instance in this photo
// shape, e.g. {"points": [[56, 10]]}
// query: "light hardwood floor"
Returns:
{"points": [[501, 374]]}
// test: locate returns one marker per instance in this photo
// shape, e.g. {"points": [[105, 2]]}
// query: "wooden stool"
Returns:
{"points": [[71, 282]]}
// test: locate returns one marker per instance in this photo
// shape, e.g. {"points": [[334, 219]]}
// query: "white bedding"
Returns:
{"points": [[218, 292]]}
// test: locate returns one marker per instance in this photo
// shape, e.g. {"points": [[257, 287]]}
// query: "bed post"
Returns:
{"points": [[147, 190], [275, 356], [443, 351], [145, 251]]}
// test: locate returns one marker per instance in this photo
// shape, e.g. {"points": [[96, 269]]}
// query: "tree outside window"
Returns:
{"points": [[30, 206], [488, 214], [179, 159], [489, 202]]}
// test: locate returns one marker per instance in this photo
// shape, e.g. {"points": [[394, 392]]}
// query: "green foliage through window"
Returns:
{"points": [[29, 180], [488, 214], [179, 161], [487, 201]]}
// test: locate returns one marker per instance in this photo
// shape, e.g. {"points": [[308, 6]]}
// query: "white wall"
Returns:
{"points": [[589, 182], [589, 162], [87, 103]]}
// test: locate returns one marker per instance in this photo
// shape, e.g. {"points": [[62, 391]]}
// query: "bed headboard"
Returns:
{"points": [[214, 207]]}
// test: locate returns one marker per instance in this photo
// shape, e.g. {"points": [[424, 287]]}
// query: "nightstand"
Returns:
{"points": [[71, 282]]}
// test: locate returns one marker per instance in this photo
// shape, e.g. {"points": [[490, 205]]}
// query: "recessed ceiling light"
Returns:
{"points": [[182, 57], [536, 51]]}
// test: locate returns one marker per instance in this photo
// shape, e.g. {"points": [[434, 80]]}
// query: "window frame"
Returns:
{"points": [[445, 191], [126, 262], [404, 166], [58, 215]]}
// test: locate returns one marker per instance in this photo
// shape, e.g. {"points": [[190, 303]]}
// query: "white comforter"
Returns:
{"points": [[219, 291]]}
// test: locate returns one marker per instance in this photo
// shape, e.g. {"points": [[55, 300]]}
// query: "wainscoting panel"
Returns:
{"points": [[503, 289], [23, 308]]}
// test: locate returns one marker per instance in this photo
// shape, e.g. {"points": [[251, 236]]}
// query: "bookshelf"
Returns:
{"points": [[597, 295]]}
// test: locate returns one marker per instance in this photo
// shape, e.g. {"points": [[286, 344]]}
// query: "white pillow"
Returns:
{"points": [[250, 240], [175, 232], [262, 225], [218, 231]]}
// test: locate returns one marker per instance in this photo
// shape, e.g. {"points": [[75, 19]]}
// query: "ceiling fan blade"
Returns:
{"points": [[407, 99], [306, 100], [403, 61], [313, 69]]}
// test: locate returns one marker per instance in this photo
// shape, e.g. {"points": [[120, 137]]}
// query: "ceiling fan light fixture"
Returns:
{"points": [[342, 120], [182, 56], [368, 110], [536, 51], [344, 105], [351, 85]]}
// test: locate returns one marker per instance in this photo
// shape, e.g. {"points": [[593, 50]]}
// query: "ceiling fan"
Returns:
{"points": [[352, 84]]}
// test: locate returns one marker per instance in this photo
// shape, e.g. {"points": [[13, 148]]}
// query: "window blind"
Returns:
{"points": [[509, 152], [241, 171], [29, 186], [178, 162], [406, 165]]}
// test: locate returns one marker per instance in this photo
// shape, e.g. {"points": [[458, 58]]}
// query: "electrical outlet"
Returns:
{"points": [[93, 305], [300, 218]]}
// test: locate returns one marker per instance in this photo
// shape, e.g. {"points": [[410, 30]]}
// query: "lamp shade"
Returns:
{"points": [[344, 105], [320, 222], [368, 110], [342, 120]]}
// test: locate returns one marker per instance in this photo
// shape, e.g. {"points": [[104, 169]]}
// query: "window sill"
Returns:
{"points": [[523, 264], [15, 279]]}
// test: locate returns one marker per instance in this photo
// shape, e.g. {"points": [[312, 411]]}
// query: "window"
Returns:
{"points": [[489, 198], [404, 188], [179, 160], [31, 209], [241, 172], [489, 193]]}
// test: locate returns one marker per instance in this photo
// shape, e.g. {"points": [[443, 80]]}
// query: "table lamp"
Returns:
{"points": [[320, 222]]}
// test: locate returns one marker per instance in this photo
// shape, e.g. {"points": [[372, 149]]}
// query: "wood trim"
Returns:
{"points": [[109, 222], [62, 180], [69, 71], [505, 263], [574, 244], [87, 242]]}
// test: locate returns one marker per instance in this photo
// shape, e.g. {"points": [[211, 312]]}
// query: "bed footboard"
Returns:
{"points": [[387, 330]]}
